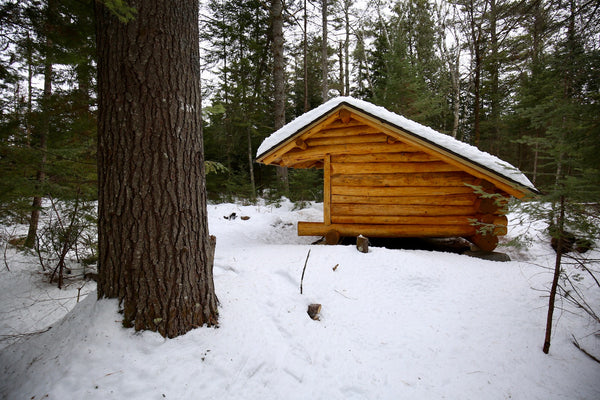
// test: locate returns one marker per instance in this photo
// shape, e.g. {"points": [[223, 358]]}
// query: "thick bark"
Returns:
{"points": [[154, 247]]}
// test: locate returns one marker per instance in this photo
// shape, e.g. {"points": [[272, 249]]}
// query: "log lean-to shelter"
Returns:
{"points": [[387, 176]]}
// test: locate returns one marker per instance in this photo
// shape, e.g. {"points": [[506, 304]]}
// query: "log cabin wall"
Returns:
{"points": [[379, 185]]}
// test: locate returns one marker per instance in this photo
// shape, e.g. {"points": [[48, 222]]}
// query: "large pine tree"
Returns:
{"points": [[155, 255]]}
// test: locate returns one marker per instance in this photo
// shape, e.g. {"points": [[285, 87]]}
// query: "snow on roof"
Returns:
{"points": [[460, 149]]}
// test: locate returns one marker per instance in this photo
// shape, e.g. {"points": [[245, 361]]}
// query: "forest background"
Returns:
{"points": [[519, 79]]}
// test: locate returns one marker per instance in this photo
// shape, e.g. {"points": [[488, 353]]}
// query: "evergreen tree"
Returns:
{"points": [[48, 137], [558, 106], [151, 170], [241, 116], [407, 72]]}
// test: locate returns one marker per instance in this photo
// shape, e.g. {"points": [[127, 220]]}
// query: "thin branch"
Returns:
{"points": [[304, 269], [576, 344]]}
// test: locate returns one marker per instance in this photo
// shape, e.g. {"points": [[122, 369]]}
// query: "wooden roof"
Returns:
{"points": [[288, 146]]}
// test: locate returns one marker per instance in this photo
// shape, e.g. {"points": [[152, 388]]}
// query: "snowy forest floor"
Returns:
{"points": [[395, 324]]}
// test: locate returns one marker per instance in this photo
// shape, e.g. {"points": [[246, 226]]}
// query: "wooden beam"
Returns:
{"points": [[337, 123], [400, 191], [327, 190], [490, 206], [345, 131], [317, 164], [416, 156], [500, 223], [277, 153], [293, 155], [400, 210], [400, 179], [402, 220], [371, 230], [466, 165], [450, 200], [341, 140], [387, 167]]}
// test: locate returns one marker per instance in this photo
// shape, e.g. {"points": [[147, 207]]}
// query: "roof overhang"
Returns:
{"points": [[306, 127]]}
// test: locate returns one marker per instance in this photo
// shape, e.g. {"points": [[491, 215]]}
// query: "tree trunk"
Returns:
{"points": [[347, 48], [305, 58], [154, 247], [477, 91], [557, 263], [342, 80], [44, 131], [494, 146], [279, 78], [324, 54]]}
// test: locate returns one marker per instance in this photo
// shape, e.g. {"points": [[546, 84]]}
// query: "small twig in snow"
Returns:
{"points": [[304, 269], [348, 297], [576, 344]]}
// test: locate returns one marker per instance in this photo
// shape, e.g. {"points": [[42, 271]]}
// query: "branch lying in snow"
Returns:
{"points": [[23, 335], [304, 269], [576, 343], [348, 297]]}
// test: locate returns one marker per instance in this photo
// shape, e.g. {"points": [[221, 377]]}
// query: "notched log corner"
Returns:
{"points": [[313, 311]]}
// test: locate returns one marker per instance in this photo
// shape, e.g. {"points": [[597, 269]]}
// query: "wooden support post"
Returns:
{"points": [[327, 190], [332, 237]]}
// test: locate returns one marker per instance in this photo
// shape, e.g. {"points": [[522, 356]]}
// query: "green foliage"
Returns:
{"points": [[213, 167], [408, 75], [121, 9], [67, 236], [306, 185], [48, 139]]}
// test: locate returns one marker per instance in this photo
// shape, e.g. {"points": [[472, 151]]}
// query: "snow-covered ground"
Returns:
{"points": [[395, 324]]}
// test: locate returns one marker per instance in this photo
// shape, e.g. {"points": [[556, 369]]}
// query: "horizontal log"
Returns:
{"points": [[392, 209], [327, 141], [499, 223], [413, 156], [402, 179], [296, 155], [400, 191], [317, 164], [402, 220], [388, 167], [501, 183], [345, 131], [450, 200], [491, 206], [276, 155], [372, 230]]}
